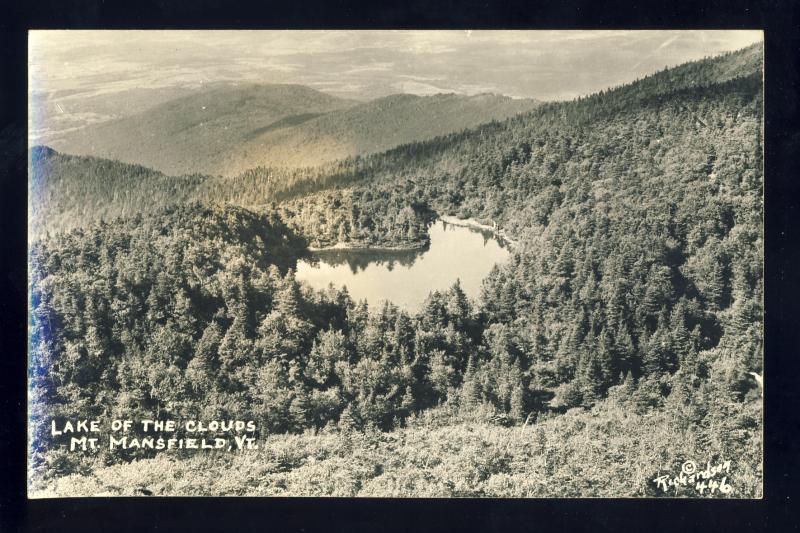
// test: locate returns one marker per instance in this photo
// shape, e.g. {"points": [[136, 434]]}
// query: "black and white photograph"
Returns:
{"points": [[396, 263]]}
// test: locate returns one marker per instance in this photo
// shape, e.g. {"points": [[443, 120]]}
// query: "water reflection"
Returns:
{"points": [[406, 277], [359, 260]]}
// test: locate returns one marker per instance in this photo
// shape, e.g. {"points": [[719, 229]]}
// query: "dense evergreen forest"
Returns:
{"points": [[68, 191], [636, 283]]}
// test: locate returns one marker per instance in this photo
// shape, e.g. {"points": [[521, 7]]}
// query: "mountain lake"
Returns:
{"points": [[407, 277]]}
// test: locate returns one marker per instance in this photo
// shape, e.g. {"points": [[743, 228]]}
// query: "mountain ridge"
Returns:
{"points": [[228, 129], [372, 127]]}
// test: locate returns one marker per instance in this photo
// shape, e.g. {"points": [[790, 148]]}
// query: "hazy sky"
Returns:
{"points": [[366, 64]]}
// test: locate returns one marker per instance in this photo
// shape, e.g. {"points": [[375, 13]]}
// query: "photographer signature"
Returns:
{"points": [[713, 478]]}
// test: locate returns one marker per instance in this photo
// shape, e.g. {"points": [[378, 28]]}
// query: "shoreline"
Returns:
{"points": [[447, 219], [355, 247], [472, 223], [467, 222]]}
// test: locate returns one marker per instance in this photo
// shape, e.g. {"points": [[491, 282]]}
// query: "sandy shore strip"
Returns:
{"points": [[468, 222], [472, 223], [357, 247]]}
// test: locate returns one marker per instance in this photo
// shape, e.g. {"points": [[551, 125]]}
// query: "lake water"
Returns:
{"points": [[406, 278]]}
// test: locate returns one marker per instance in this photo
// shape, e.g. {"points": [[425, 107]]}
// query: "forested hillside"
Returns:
{"points": [[67, 192], [636, 285], [196, 310]]}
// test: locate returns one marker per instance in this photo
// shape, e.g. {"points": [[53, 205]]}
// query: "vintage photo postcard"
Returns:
{"points": [[502, 264]]}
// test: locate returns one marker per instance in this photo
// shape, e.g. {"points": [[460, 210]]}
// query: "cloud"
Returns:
{"points": [[374, 67], [421, 89]]}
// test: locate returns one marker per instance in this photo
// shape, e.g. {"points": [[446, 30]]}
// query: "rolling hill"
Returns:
{"points": [[369, 128], [226, 130], [191, 133]]}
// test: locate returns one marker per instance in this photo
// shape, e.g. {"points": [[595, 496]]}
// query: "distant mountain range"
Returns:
{"points": [[224, 130]]}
